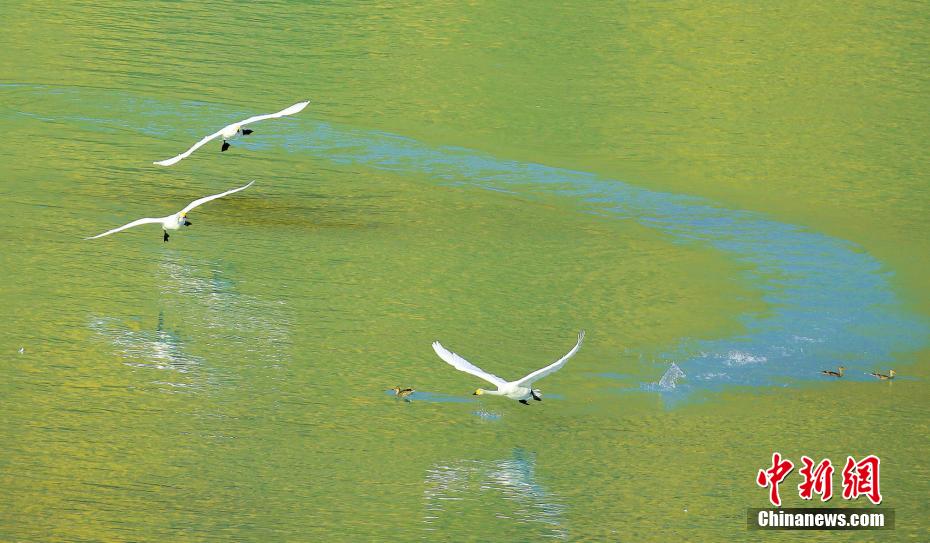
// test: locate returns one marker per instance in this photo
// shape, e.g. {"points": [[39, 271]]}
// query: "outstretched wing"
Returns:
{"points": [[555, 366], [206, 199], [289, 111], [185, 154], [125, 226], [461, 364]]}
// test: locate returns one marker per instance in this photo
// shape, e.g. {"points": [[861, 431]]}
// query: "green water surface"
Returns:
{"points": [[229, 385]]}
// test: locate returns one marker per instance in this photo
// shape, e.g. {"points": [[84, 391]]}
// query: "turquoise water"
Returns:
{"points": [[829, 303], [736, 189]]}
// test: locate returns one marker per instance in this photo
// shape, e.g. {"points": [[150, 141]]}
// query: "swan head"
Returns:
{"points": [[478, 392]]}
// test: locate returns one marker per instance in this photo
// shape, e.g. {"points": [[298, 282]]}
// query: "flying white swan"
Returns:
{"points": [[232, 131], [521, 389], [176, 221]]}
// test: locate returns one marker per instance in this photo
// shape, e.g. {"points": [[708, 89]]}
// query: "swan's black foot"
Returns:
{"points": [[225, 146], [524, 402], [536, 395], [246, 131], [187, 222], [166, 236]]}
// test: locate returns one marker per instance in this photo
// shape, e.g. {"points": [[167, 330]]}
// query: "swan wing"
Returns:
{"points": [[289, 111], [205, 199], [551, 368], [185, 154], [130, 225], [461, 364]]}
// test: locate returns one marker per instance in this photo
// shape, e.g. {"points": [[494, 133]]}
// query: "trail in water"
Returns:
{"points": [[830, 302]]}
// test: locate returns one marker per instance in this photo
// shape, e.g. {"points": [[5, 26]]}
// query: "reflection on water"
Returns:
{"points": [[258, 327], [505, 488], [159, 349], [829, 302], [819, 122], [201, 293]]}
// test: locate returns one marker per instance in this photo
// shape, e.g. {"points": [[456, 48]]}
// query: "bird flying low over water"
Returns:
{"points": [[838, 373], [172, 222], [232, 131], [521, 389]]}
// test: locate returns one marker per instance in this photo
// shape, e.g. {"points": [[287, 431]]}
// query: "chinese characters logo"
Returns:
{"points": [[859, 478]]}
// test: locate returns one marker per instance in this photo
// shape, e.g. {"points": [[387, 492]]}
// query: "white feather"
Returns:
{"points": [[205, 199], [136, 222], [230, 130], [461, 364], [174, 221], [552, 368], [515, 390]]}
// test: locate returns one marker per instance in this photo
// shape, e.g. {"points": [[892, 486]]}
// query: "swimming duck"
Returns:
{"points": [[232, 131], [883, 377], [521, 389], [403, 392], [838, 373]]}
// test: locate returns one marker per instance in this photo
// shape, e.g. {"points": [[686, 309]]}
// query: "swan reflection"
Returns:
{"points": [[161, 348], [256, 326], [505, 488]]}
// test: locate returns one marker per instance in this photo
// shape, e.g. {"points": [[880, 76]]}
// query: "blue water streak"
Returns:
{"points": [[830, 302]]}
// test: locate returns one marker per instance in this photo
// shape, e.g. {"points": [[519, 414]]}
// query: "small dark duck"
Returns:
{"points": [[403, 392], [882, 376]]}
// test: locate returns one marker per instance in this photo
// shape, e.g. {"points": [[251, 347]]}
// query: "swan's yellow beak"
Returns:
{"points": [[478, 392]]}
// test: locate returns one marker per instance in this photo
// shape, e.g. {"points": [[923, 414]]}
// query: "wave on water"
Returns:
{"points": [[830, 303], [670, 380]]}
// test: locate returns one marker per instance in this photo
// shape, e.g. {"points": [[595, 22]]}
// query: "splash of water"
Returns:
{"points": [[671, 377], [830, 302]]}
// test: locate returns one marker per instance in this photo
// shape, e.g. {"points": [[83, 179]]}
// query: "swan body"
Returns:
{"points": [[520, 390], [175, 221], [232, 131]]}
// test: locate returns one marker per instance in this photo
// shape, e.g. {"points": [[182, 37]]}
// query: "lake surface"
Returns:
{"points": [[738, 191]]}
